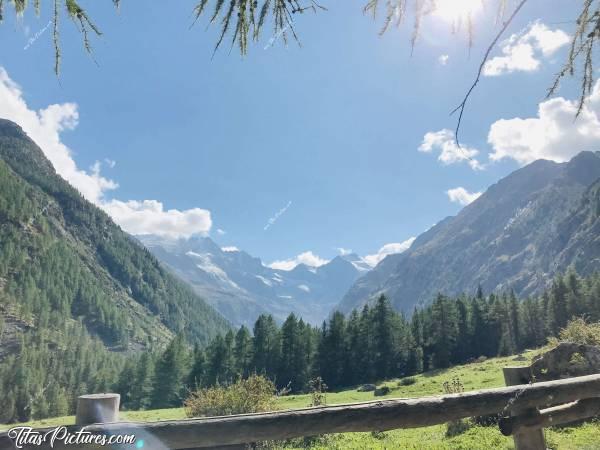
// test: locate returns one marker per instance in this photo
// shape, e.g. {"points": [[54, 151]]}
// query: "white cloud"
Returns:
{"points": [[221, 232], [450, 152], [462, 196], [45, 127], [344, 251], [555, 133], [230, 249], [523, 51], [304, 288], [110, 162], [150, 217], [307, 258], [443, 59], [388, 249]]}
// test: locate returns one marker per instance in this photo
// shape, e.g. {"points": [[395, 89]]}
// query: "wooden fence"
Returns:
{"points": [[524, 408]]}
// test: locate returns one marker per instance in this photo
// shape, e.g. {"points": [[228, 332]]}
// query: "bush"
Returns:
{"points": [[383, 390], [318, 389], [454, 386], [379, 435], [579, 331], [255, 394], [486, 421], [455, 427], [407, 381]]}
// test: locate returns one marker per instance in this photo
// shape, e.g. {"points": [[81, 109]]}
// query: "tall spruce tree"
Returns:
{"points": [[383, 338], [170, 375], [443, 331]]}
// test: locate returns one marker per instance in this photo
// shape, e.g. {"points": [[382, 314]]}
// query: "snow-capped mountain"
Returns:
{"points": [[240, 287]]}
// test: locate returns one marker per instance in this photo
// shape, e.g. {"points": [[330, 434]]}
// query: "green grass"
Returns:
{"points": [[481, 375]]}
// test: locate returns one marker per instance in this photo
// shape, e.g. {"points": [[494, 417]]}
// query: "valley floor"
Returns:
{"points": [[479, 375]]}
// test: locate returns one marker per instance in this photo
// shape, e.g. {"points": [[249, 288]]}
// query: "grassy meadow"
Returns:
{"points": [[478, 375]]}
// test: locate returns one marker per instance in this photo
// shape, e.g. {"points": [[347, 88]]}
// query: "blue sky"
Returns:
{"points": [[328, 133]]}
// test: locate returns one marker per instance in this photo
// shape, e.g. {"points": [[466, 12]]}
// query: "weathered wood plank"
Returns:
{"points": [[370, 416], [555, 416], [527, 439]]}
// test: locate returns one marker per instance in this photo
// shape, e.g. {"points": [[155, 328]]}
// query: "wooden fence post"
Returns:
{"points": [[97, 408], [531, 439]]}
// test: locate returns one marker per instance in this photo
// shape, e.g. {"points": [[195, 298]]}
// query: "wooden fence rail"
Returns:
{"points": [[215, 432]]}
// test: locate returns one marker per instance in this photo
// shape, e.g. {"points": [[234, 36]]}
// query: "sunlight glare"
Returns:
{"points": [[456, 10]]}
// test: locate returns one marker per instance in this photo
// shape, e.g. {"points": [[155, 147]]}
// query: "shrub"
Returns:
{"points": [[579, 331], [379, 435], [407, 381], [317, 389], [454, 386], [383, 390], [486, 421], [455, 427], [255, 394]]}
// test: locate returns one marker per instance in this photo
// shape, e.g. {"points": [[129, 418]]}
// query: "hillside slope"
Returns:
{"points": [[63, 259], [523, 230]]}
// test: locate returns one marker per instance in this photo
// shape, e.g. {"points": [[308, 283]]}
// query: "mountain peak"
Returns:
{"points": [[584, 167], [523, 230], [9, 128]]}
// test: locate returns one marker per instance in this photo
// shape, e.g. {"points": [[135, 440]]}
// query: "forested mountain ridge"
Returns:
{"points": [[525, 229], [63, 258], [241, 287]]}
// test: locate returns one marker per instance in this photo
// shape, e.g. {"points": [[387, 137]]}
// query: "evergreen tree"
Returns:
{"points": [[266, 346], [366, 353], [464, 336], [142, 388], [558, 309], [355, 351], [170, 374], [242, 352], [197, 376], [295, 354], [383, 339], [443, 332], [332, 351]]}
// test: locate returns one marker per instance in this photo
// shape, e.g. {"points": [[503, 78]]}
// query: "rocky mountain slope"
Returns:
{"points": [[64, 260], [534, 223], [240, 287]]}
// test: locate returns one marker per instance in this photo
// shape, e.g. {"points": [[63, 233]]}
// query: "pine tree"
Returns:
{"points": [[353, 331], [290, 358], [197, 376], [443, 331], [219, 361], [141, 392], [558, 310], [242, 352], [266, 346], [383, 338], [170, 374], [125, 385], [464, 336], [366, 346], [332, 351]]}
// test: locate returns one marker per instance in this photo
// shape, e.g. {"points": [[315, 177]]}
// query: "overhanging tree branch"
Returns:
{"points": [[461, 107]]}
